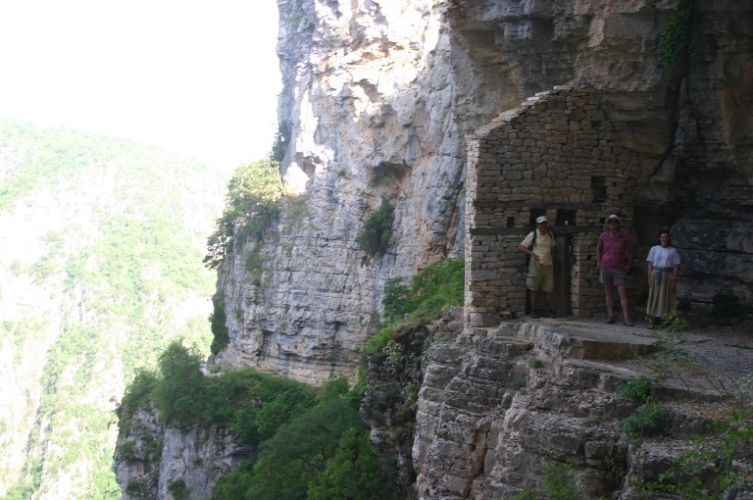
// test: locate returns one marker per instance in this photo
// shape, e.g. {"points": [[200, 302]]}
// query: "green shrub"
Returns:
{"points": [[397, 300], [235, 484], [379, 341], [135, 488], [433, 290], [252, 201], [649, 419], [716, 465], [676, 38], [127, 450], [639, 388], [673, 323], [255, 261], [537, 364], [218, 323], [178, 489], [354, 472], [298, 455], [374, 237], [181, 390], [558, 483], [137, 395], [280, 145]]}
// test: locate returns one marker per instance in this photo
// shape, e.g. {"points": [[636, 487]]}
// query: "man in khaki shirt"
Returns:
{"points": [[541, 268]]}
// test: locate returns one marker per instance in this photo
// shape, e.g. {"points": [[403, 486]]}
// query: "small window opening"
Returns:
{"points": [[566, 217], [599, 189], [535, 212]]}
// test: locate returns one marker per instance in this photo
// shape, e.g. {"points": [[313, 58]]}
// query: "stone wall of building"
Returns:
{"points": [[561, 155]]}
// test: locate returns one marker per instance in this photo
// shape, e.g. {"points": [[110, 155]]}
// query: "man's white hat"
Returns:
{"points": [[541, 219]]}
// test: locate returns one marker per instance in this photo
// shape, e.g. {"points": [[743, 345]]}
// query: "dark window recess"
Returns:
{"points": [[566, 217], [535, 212], [599, 189], [511, 222]]}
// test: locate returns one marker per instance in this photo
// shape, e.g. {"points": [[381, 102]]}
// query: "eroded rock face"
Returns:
{"points": [[378, 98], [498, 413], [151, 459], [368, 104]]}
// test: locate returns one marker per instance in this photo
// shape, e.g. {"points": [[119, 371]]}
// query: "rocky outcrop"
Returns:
{"points": [[368, 111], [427, 103], [154, 461], [496, 413], [382, 99]]}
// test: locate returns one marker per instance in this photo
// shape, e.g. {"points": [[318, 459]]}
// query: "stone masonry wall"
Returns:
{"points": [[560, 155]]}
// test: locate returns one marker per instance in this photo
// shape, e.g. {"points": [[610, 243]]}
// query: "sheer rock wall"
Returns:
{"points": [[151, 458], [381, 99]]}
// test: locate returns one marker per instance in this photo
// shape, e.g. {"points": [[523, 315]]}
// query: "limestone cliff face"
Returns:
{"points": [[381, 100], [368, 106], [399, 100], [152, 460]]}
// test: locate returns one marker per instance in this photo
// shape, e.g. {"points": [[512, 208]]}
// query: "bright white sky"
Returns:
{"points": [[196, 77]]}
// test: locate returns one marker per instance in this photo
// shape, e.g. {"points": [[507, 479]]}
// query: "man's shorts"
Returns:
{"points": [[610, 277], [540, 277]]}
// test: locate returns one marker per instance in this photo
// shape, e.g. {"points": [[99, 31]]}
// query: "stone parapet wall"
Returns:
{"points": [[559, 155]]}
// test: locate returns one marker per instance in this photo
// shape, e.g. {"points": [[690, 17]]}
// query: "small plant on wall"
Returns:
{"points": [[676, 38], [375, 235]]}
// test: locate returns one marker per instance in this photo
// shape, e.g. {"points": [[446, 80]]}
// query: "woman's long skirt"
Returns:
{"points": [[661, 297]]}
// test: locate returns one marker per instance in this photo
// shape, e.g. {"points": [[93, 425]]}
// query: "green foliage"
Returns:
{"points": [[255, 261], [640, 388], [397, 300], [379, 341], [649, 419], [537, 364], [354, 473], [374, 237], [282, 139], [676, 39], [252, 201], [433, 290], [716, 465], [218, 324], [127, 450], [322, 451], [234, 485], [179, 490], [181, 388], [21, 491], [137, 395], [124, 251], [135, 488], [300, 451], [673, 323], [252, 404], [558, 484], [728, 310]]}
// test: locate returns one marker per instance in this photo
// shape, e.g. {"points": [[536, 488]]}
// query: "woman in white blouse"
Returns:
{"points": [[663, 264]]}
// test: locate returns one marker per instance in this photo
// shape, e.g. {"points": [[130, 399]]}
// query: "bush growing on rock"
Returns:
{"points": [[375, 235]]}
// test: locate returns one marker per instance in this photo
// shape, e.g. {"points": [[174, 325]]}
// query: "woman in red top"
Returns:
{"points": [[614, 256]]}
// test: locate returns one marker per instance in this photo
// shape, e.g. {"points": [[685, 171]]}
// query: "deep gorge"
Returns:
{"points": [[472, 118]]}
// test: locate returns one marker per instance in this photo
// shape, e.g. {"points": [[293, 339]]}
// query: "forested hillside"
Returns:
{"points": [[101, 247]]}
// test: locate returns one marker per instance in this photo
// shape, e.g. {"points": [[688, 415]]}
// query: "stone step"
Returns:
{"points": [[576, 338]]}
